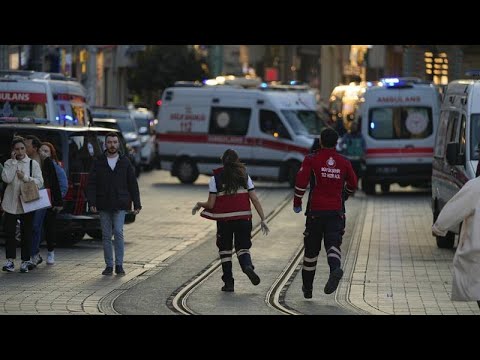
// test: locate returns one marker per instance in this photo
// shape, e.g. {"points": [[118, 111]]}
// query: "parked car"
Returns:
{"points": [[146, 122], [76, 147], [127, 126]]}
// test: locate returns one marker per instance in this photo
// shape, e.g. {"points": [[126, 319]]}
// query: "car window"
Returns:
{"points": [[83, 148], [51, 136]]}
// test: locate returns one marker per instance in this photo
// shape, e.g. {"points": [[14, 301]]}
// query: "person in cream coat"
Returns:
{"points": [[15, 172], [464, 206]]}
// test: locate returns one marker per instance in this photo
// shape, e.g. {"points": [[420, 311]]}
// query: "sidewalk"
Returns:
{"points": [[396, 267]]}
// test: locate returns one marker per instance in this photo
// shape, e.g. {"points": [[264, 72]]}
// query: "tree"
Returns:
{"points": [[159, 66]]}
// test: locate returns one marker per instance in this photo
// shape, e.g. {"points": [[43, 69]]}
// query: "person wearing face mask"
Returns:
{"points": [[17, 170], [48, 153]]}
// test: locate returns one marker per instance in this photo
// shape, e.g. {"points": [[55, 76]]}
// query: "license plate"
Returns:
{"points": [[387, 170]]}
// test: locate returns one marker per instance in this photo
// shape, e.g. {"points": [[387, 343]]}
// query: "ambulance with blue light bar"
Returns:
{"points": [[272, 131], [399, 120], [40, 95]]}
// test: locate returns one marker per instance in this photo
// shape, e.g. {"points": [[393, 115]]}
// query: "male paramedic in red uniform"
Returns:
{"points": [[331, 172]]}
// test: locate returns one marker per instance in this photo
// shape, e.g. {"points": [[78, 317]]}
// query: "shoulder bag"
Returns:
{"points": [[29, 190]]}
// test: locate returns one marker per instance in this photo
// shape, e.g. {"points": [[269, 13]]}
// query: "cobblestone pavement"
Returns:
{"points": [[392, 267], [74, 285]]}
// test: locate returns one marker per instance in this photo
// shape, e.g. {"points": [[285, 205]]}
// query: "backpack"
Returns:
{"points": [[62, 178]]}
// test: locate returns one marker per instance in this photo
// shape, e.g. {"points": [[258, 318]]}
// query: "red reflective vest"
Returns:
{"points": [[228, 207]]}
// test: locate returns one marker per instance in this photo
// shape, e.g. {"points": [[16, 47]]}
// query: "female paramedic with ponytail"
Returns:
{"points": [[231, 190]]}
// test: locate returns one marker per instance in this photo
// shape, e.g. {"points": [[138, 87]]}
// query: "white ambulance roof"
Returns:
{"points": [[416, 95], [23, 85], [294, 100], [462, 87], [67, 87], [279, 99]]}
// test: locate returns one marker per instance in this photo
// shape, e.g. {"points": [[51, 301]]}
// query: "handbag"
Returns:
{"points": [[29, 190], [43, 202]]}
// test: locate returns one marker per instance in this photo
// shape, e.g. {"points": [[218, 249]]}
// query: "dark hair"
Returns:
{"points": [[18, 139], [328, 138], [234, 172], [111, 134], [35, 141]]}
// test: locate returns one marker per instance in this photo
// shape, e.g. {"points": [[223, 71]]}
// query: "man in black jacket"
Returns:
{"points": [[112, 186]]}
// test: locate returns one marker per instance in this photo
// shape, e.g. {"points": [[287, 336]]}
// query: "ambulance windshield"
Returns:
{"points": [[304, 122], [22, 109], [400, 122]]}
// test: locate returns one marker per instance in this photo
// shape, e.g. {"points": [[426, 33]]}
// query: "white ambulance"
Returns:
{"points": [[38, 95], [456, 155], [399, 121], [271, 131]]}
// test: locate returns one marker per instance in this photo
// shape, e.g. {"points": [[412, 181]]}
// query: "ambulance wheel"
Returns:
{"points": [[385, 188], [186, 170], [293, 167]]}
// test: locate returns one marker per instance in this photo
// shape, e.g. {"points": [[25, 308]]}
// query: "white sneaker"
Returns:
{"points": [[51, 258], [9, 266], [24, 267], [36, 260]]}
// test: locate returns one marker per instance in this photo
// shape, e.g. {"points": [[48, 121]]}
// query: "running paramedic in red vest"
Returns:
{"points": [[231, 190], [332, 173]]}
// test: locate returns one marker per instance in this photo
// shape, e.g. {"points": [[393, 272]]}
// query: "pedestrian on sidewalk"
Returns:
{"points": [[230, 191], [112, 186], [333, 174], [47, 150], [464, 206], [18, 170], [50, 181]]}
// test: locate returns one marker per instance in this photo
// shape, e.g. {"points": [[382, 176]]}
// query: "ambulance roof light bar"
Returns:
{"points": [[400, 82]]}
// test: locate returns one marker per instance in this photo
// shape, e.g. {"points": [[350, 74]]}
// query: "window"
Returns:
{"points": [[403, 122], [452, 127], [229, 121], [441, 135], [83, 148], [271, 124], [304, 122], [463, 140], [474, 136], [23, 109], [51, 136]]}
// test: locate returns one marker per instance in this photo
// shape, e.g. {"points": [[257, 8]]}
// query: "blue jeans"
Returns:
{"points": [[112, 221], [38, 220]]}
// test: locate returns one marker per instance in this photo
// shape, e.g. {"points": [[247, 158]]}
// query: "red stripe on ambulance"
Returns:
{"points": [[23, 97]]}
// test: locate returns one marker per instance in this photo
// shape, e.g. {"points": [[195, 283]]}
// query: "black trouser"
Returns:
{"points": [[49, 228], [328, 227], [238, 232], [357, 167], [10, 242]]}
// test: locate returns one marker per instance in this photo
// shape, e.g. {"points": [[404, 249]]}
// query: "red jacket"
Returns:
{"points": [[331, 171]]}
